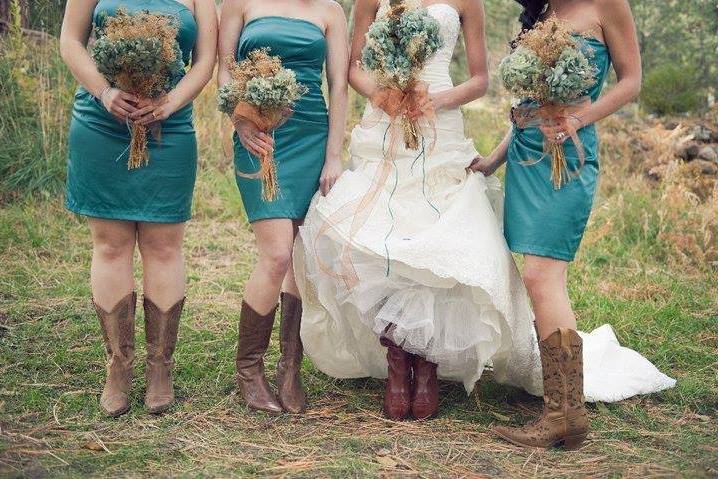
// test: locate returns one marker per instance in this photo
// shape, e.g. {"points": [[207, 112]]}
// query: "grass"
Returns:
{"points": [[52, 368], [648, 267]]}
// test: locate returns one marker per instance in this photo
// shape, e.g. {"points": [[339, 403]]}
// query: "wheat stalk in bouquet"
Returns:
{"points": [[263, 92], [551, 71], [398, 46], [138, 53]]}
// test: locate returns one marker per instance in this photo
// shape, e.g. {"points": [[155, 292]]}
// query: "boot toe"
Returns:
{"points": [[116, 405], [296, 406], [397, 410], [268, 406], [158, 404], [258, 395], [424, 410]]}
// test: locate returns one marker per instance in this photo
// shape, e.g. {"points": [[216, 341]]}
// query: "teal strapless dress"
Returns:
{"points": [[539, 220], [98, 181], [300, 144]]}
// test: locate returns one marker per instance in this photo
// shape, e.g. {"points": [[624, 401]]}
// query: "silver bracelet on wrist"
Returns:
{"points": [[578, 119], [103, 92]]}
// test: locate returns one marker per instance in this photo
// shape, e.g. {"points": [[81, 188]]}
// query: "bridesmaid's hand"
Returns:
{"points": [[151, 110], [557, 133], [253, 139], [486, 165], [119, 103], [330, 174]]}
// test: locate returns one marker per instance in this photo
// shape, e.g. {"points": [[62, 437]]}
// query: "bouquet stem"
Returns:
{"points": [[559, 166], [270, 182], [138, 147], [411, 133]]}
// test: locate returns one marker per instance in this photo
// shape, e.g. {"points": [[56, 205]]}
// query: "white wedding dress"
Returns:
{"points": [[451, 289]]}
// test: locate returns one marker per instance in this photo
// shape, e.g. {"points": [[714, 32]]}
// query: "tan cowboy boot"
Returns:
{"points": [[161, 331], [118, 331], [564, 419], [289, 383], [254, 333]]}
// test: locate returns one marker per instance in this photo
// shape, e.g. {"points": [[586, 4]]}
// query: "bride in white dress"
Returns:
{"points": [[436, 281]]}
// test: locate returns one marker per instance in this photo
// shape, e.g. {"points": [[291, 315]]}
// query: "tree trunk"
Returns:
{"points": [[5, 14]]}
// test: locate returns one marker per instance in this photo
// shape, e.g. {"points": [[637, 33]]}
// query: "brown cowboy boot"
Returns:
{"points": [[118, 331], [425, 395], [254, 333], [289, 384], [564, 419], [161, 331], [397, 395]]}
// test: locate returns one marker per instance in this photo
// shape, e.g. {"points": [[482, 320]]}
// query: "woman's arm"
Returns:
{"points": [[203, 60], [337, 70], [489, 164], [472, 21], [76, 29], [619, 32], [230, 28], [364, 14]]}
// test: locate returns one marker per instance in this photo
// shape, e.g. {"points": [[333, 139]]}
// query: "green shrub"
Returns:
{"points": [[35, 96], [670, 89]]}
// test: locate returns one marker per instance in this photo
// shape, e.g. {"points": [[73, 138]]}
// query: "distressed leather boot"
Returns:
{"points": [[397, 395], [118, 332], [564, 420], [425, 395], [161, 332], [289, 384], [254, 333]]}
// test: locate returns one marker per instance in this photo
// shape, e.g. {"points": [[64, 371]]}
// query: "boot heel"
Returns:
{"points": [[571, 443]]}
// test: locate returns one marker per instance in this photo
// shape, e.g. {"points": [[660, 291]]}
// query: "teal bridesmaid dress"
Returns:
{"points": [[539, 220], [300, 144], [98, 181]]}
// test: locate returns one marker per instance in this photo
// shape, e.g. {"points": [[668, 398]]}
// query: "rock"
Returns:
{"points": [[655, 173], [688, 152], [702, 133], [671, 125], [637, 145], [706, 167], [708, 153]]}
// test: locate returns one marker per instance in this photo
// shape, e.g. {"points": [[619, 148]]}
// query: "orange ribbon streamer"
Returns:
{"points": [[265, 121], [554, 115], [407, 110]]}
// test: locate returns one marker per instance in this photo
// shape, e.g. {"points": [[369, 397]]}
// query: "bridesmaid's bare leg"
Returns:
{"points": [[113, 245], [275, 238], [546, 283], [164, 289], [289, 285], [163, 263]]}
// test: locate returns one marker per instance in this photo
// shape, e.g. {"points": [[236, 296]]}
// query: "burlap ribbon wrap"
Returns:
{"points": [[265, 121]]}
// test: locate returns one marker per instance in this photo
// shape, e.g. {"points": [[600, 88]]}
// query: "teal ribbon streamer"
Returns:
{"points": [[422, 155]]}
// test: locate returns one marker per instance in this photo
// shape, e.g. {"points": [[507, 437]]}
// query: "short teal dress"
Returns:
{"points": [[300, 144], [539, 220], [98, 181]]}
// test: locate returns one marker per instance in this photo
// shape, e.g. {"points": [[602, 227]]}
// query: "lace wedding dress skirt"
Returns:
{"points": [[431, 259]]}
